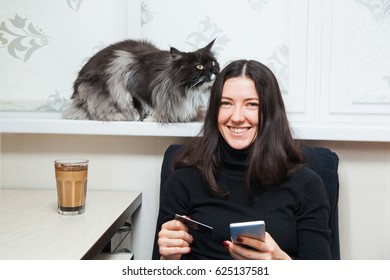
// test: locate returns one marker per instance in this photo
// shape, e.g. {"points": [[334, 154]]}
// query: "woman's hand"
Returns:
{"points": [[174, 240], [256, 250]]}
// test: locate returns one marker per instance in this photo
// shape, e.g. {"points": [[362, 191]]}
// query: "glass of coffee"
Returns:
{"points": [[71, 177]]}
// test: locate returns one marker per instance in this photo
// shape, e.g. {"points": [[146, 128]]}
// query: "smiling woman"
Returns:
{"points": [[238, 115], [245, 167]]}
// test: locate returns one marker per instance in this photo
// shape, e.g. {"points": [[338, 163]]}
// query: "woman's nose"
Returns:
{"points": [[237, 114]]}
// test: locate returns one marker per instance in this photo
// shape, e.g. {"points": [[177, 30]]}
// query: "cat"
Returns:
{"points": [[133, 80]]}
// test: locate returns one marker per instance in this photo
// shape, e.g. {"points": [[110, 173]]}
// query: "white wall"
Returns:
{"points": [[364, 173]]}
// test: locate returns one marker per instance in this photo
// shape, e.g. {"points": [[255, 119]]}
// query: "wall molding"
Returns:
{"points": [[52, 123]]}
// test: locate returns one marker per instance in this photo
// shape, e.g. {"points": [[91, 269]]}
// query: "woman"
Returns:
{"points": [[245, 167]]}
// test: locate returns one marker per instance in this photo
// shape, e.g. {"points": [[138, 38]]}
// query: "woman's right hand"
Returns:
{"points": [[174, 240]]}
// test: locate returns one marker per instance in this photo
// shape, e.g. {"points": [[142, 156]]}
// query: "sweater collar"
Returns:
{"points": [[232, 156]]}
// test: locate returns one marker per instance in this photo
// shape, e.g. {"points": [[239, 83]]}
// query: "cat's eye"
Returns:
{"points": [[200, 66], [213, 63]]}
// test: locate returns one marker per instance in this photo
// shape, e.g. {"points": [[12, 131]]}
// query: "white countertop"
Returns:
{"points": [[31, 228]]}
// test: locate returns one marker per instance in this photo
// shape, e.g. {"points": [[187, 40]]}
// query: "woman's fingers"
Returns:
{"points": [[174, 240]]}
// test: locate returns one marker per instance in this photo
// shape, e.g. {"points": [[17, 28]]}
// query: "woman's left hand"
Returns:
{"points": [[256, 250]]}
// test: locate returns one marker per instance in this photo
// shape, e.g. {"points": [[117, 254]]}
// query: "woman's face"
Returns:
{"points": [[238, 116]]}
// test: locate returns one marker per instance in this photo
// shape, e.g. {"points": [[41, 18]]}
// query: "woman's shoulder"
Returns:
{"points": [[308, 183], [307, 177], [306, 172]]}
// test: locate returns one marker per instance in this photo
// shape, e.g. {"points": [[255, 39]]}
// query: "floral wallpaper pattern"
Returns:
{"points": [[46, 47], [257, 5], [278, 62], [371, 59], [146, 14], [206, 32], [52, 43], [55, 103], [379, 9], [21, 37], [74, 4]]}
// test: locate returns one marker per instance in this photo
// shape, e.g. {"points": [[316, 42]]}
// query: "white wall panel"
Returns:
{"points": [[357, 78], [331, 58], [44, 44]]}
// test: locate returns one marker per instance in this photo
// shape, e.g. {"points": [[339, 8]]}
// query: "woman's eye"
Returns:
{"points": [[225, 103], [253, 104], [200, 66]]}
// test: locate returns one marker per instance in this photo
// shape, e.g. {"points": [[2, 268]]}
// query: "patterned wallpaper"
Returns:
{"points": [[44, 43], [42, 49], [358, 78], [371, 60], [237, 25]]}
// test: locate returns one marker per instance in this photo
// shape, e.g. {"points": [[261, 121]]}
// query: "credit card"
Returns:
{"points": [[194, 224]]}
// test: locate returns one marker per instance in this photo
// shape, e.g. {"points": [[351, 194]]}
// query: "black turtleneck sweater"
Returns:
{"points": [[296, 212]]}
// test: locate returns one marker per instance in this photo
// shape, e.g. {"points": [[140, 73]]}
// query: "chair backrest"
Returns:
{"points": [[325, 163], [322, 160]]}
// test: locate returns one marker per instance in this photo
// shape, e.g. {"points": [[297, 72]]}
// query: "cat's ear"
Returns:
{"points": [[210, 45], [176, 54]]}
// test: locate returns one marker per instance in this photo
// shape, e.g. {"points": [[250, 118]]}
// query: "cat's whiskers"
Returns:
{"points": [[201, 79]]}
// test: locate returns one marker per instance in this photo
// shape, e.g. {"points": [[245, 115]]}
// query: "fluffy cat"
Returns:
{"points": [[134, 80]]}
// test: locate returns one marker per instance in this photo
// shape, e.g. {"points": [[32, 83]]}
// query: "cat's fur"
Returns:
{"points": [[133, 80]]}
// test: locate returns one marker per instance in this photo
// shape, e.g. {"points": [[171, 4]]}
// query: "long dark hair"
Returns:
{"points": [[274, 155]]}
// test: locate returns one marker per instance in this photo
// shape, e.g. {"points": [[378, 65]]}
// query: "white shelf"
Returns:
{"points": [[52, 123], [342, 132]]}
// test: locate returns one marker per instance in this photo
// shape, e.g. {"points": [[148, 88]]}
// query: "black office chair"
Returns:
{"points": [[322, 160]]}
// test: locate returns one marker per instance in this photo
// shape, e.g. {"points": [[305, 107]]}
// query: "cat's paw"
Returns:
{"points": [[150, 119]]}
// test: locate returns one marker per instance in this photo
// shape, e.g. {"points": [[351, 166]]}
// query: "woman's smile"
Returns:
{"points": [[238, 116]]}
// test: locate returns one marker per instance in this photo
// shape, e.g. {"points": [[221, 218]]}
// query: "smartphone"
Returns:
{"points": [[254, 229]]}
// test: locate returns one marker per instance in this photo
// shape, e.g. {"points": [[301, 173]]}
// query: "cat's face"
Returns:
{"points": [[193, 69]]}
